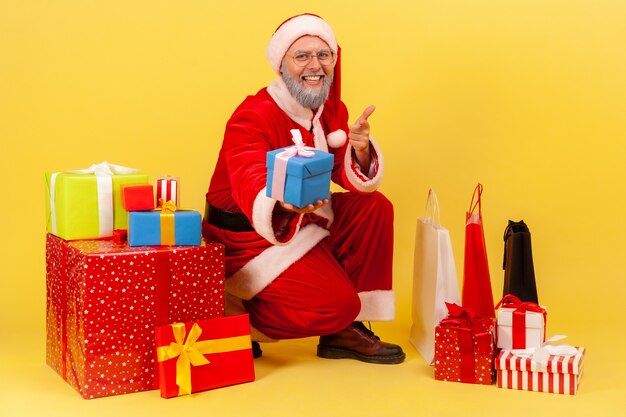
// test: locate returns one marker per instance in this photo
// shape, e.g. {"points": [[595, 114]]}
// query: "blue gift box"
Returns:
{"points": [[307, 179], [144, 228]]}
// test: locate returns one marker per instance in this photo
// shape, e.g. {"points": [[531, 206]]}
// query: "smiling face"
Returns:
{"points": [[308, 84]]}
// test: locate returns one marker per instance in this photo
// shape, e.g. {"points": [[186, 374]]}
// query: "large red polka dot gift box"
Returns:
{"points": [[104, 300], [464, 347]]}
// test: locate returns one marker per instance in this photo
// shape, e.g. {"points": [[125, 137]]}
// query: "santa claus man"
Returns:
{"points": [[319, 270]]}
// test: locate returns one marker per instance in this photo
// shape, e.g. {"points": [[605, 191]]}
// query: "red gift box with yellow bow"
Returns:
{"points": [[202, 355]]}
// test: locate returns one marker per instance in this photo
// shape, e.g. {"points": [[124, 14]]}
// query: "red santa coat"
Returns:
{"points": [[260, 124]]}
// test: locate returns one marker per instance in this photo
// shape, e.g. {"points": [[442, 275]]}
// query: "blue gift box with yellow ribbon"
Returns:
{"points": [[165, 226]]}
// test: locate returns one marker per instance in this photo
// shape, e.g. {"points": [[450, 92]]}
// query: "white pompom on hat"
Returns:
{"points": [[293, 29]]}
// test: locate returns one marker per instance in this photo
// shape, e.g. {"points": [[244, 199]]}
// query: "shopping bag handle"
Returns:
{"points": [[478, 190], [432, 207]]}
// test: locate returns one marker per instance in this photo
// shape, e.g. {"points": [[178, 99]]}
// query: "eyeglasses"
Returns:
{"points": [[304, 58]]}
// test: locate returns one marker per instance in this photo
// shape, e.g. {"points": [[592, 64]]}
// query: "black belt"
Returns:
{"points": [[235, 222]]}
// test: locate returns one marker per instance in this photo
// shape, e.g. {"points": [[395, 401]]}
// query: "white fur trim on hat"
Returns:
{"points": [[293, 29]]}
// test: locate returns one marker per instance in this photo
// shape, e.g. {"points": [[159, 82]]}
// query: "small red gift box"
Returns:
{"points": [[202, 355], [104, 300], [560, 375], [137, 197], [464, 347]]}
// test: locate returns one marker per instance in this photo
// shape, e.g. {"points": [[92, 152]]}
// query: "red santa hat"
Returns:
{"points": [[287, 33]]}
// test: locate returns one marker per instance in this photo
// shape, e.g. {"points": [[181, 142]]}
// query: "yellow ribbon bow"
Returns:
{"points": [[167, 206], [168, 234], [192, 351]]}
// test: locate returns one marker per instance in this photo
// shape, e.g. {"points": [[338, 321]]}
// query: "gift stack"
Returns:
{"points": [[472, 347], [526, 360], [165, 225], [105, 298]]}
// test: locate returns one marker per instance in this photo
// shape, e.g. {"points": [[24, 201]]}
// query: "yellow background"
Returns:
{"points": [[526, 96]]}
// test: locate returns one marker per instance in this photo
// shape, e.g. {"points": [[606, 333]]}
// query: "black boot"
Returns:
{"points": [[256, 350]]}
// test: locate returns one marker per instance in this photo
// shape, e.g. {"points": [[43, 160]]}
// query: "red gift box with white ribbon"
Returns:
{"points": [[464, 347]]}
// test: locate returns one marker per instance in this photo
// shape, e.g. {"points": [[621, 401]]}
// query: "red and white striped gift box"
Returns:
{"points": [[168, 188], [561, 375]]}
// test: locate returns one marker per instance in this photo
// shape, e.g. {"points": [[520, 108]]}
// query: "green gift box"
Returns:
{"points": [[87, 204]]}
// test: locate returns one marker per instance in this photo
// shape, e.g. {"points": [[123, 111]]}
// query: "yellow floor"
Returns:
{"points": [[292, 381]]}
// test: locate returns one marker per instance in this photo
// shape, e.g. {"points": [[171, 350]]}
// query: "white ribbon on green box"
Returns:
{"points": [[103, 173]]}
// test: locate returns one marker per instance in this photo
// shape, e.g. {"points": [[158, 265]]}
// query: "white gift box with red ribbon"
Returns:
{"points": [[520, 325]]}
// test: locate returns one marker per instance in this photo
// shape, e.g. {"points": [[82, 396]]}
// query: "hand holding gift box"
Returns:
{"points": [[86, 203], [520, 325], [298, 175], [464, 347], [204, 355]]}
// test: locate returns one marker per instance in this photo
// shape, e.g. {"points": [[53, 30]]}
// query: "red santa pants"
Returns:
{"points": [[318, 294]]}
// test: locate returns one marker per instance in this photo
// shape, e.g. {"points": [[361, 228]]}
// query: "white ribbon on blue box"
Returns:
{"points": [[298, 174]]}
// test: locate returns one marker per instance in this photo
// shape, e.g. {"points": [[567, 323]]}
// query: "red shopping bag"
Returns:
{"points": [[477, 293]]}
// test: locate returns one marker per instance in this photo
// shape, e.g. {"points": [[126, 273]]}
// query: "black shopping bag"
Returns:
{"points": [[519, 271]]}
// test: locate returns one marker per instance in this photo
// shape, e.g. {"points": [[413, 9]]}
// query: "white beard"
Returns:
{"points": [[307, 98]]}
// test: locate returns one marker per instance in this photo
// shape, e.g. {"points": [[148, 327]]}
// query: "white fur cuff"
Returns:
{"points": [[377, 305], [262, 213], [370, 185]]}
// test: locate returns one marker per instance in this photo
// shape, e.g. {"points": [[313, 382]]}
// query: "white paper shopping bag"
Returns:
{"points": [[434, 278]]}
